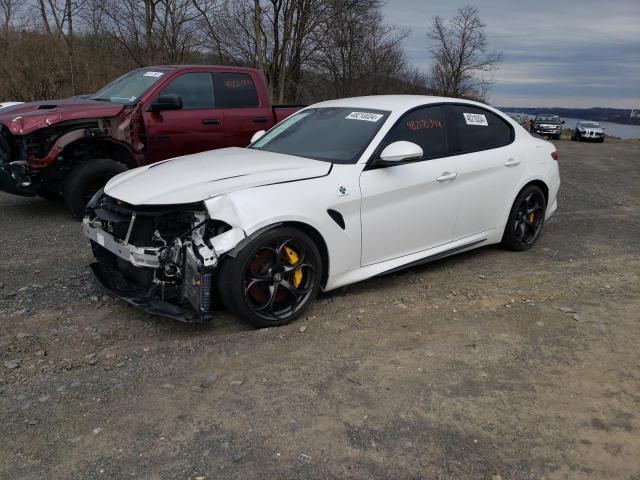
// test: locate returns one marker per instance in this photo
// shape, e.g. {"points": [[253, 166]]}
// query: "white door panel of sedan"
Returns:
{"points": [[489, 172], [339, 192], [409, 201]]}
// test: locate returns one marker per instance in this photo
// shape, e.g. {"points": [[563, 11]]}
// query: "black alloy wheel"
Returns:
{"points": [[526, 219], [273, 279]]}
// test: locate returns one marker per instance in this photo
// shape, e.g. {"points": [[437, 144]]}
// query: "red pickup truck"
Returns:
{"points": [[70, 148]]}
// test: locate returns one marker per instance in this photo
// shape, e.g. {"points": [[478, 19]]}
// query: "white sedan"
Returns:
{"points": [[339, 192]]}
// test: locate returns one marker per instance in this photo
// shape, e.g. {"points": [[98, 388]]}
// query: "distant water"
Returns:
{"points": [[615, 129]]}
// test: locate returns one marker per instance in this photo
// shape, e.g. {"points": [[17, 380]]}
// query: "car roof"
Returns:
{"points": [[395, 103]]}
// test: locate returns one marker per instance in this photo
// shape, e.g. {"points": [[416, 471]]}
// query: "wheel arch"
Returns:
{"points": [[102, 148], [538, 182], [318, 239], [306, 228]]}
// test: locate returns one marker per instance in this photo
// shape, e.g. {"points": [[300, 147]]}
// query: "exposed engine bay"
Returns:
{"points": [[160, 258]]}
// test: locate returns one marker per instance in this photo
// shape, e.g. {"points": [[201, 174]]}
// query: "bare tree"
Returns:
{"points": [[460, 55], [358, 53]]}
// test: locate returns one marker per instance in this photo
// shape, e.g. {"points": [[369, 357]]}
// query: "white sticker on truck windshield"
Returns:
{"points": [[154, 74], [475, 119], [366, 116]]}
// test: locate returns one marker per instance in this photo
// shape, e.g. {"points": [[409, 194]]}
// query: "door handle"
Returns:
{"points": [[512, 162], [447, 176], [260, 119], [211, 121]]}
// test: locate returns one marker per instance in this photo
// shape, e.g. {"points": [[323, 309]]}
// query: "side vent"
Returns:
{"points": [[337, 217]]}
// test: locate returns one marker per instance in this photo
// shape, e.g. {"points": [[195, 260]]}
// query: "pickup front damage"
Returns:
{"points": [[160, 258], [36, 157]]}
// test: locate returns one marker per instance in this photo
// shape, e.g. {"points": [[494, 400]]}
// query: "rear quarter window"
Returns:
{"points": [[477, 129], [235, 90]]}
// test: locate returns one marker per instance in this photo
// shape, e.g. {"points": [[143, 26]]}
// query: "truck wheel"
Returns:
{"points": [[85, 180]]}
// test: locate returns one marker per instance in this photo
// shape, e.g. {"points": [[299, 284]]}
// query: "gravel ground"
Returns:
{"points": [[490, 364]]}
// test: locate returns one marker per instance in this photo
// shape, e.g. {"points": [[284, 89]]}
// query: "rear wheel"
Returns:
{"points": [[526, 219], [85, 180], [273, 279]]}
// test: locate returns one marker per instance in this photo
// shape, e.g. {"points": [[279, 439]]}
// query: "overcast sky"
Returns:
{"points": [[558, 53]]}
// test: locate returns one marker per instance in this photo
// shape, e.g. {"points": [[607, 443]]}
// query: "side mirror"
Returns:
{"points": [[562, 122], [166, 102], [401, 151], [258, 135]]}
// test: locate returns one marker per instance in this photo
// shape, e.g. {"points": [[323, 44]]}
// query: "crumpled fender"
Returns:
{"points": [[222, 208]]}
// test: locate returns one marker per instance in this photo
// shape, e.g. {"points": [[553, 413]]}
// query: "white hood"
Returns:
{"points": [[194, 178]]}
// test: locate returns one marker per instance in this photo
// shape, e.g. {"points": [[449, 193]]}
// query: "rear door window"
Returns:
{"points": [[477, 129], [235, 90], [425, 127], [196, 90]]}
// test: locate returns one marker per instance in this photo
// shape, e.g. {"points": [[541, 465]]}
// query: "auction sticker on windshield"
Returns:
{"points": [[153, 74], [475, 119], [366, 116]]}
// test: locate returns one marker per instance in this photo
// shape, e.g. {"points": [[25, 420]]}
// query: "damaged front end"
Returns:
{"points": [[161, 258], [14, 177]]}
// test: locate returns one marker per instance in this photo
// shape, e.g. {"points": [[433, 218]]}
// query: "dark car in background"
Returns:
{"points": [[547, 126], [70, 148]]}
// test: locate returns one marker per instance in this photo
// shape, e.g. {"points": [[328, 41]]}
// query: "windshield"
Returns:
{"points": [[337, 135], [550, 119], [589, 124], [130, 87]]}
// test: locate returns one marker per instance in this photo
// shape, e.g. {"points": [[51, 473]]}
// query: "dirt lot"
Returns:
{"points": [[490, 364]]}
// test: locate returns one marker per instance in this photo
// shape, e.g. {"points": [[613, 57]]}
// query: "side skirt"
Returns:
{"points": [[388, 266], [432, 258]]}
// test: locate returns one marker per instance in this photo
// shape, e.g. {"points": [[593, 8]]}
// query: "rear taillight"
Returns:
{"points": [[554, 155]]}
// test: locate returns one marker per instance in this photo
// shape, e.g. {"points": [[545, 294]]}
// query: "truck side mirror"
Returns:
{"points": [[166, 102], [562, 122]]}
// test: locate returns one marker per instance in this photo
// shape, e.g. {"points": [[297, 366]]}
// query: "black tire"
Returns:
{"points": [[85, 180], [259, 284], [601, 140], [526, 219]]}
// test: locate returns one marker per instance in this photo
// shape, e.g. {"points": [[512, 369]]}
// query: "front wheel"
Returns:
{"points": [[525, 219], [85, 180], [273, 279]]}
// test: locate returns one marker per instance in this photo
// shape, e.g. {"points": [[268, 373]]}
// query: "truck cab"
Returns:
{"points": [[71, 148]]}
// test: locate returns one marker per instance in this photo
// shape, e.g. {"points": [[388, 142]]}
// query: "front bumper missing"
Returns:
{"points": [[148, 301], [136, 256], [189, 301]]}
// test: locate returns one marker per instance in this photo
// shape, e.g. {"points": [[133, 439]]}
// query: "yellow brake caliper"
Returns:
{"points": [[292, 257], [531, 217]]}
